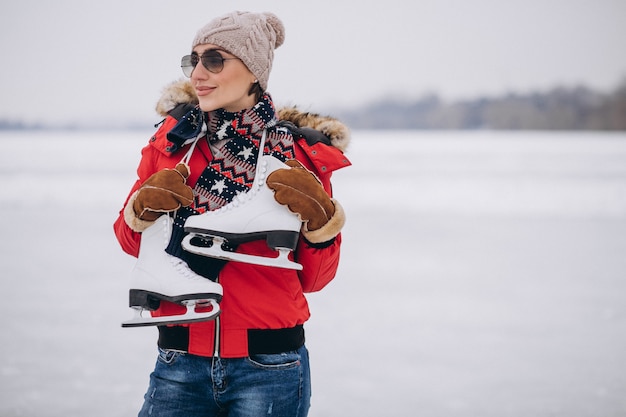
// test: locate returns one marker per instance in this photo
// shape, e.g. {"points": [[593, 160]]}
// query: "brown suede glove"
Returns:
{"points": [[163, 192], [301, 191]]}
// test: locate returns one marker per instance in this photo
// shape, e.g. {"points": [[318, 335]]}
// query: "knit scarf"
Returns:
{"points": [[235, 139]]}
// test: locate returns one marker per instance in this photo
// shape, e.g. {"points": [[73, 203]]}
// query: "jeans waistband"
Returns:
{"points": [[260, 341]]}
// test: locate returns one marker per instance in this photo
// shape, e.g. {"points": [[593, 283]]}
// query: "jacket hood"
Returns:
{"points": [[182, 92]]}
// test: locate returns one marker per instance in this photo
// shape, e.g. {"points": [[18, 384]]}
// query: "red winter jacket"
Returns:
{"points": [[255, 297]]}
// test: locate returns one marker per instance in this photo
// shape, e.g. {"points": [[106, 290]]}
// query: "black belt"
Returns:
{"points": [[260, 341]]}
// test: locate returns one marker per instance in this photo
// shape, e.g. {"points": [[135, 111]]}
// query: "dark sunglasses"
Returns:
{"points": [[211, 60]]}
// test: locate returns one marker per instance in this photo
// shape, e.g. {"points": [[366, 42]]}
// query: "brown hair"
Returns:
{"points": [[257, 91]]}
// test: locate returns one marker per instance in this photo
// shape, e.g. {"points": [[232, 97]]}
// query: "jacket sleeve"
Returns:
{"points": [[320, 264], [127, 238], [320, 261], [149, 164]]}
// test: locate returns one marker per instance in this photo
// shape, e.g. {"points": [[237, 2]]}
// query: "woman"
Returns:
{"points": [[251, 359]]}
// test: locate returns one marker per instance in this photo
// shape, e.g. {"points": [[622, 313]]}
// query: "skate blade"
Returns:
{"points": [[215, 251], [191, 316]]}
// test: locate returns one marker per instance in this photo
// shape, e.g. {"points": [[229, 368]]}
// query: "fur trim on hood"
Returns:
{"points": [[176, 93], [182, 92]]}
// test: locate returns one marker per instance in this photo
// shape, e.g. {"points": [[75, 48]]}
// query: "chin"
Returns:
{"points": [[208, 106]]}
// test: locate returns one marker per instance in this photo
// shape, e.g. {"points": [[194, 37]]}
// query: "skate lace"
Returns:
{"points": [[185, 159], [182, 268], [179, 265], [243, 198]]}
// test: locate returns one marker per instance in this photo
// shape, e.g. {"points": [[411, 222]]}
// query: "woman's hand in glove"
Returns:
{"points": [[301, 191], [165, 191]]}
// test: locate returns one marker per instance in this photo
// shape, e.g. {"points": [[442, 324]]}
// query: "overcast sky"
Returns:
{"points": [[89, 62]]}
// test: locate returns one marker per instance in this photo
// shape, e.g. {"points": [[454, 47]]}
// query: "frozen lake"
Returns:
{"points": [[483, 275]]}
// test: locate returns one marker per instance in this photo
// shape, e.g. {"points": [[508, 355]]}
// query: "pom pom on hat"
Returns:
{"points": [[251, 37]]}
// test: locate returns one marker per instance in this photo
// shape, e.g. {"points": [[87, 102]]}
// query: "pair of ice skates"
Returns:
{"points": [[253, 215]]}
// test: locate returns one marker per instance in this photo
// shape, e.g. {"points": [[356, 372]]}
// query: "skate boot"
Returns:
{"points": [[253, 215], [160, 276]]}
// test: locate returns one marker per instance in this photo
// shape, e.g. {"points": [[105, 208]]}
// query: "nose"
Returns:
{"points": [[198, 73]]}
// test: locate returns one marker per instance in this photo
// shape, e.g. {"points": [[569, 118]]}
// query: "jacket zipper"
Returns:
{"points": [[216, 336], [216, 340]]}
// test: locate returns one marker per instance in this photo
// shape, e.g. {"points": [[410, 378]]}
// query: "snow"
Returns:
{"points": [[483, 274]]}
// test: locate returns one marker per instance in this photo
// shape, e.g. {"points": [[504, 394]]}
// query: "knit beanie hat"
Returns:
{"points": [[251, 37]]}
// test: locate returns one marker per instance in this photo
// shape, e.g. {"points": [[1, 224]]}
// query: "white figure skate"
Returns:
{"points": [[160, 276], [253, 215]]}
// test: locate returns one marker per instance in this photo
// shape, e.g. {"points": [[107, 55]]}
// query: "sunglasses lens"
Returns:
{"points": [[213, 61], [188, 64]]}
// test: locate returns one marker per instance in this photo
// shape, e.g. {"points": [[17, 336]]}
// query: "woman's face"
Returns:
{"points": [[228, 89]]}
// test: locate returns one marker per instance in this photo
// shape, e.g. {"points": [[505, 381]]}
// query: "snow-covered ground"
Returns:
{"points": [[483, 274]]}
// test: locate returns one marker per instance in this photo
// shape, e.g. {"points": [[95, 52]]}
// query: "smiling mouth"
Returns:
{"points": [[203, 91]]}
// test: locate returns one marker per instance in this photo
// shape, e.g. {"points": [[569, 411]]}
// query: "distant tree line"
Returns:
{"points": [[573, 108], [14, 125], [576, 108]]}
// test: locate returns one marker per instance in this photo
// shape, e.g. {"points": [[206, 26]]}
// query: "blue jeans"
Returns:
{"points": [[276, 385]]}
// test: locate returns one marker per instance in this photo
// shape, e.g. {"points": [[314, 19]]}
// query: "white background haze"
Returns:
{"points": [[482, 274]]}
